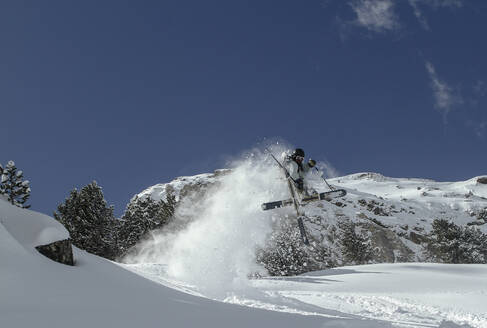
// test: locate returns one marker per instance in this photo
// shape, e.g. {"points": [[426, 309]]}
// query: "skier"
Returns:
{"points": [[297, 169]]}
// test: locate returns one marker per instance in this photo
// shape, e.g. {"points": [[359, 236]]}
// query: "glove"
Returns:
{"points": [[311, 163]]}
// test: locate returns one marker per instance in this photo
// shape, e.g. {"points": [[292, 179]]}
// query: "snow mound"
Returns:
{"points": [[30, 228]]}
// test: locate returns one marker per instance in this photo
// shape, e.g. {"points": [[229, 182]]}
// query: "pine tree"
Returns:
{"points": [[356, 247], [285, 254], [143, 215], [90, 221], [13, 185], [450, 243]]}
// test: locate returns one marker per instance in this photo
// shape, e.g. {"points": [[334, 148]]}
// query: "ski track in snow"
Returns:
{"points": [[319, 295], [397, 310], [308, 295]]}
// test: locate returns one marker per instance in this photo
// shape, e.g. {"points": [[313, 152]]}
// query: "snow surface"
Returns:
{"points": [[400, 295], [37, 292], [30, 228]]}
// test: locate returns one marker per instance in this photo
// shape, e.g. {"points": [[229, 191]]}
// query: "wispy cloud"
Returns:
{"points": [[445, 97], [419, 14], [444, 3], [416, 5], [479, 128], [375, 15]]}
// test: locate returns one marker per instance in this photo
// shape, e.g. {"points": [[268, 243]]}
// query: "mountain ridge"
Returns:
{"points": [[397, 214]]}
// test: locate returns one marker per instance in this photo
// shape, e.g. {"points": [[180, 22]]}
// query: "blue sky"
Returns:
{"points": [[134, 93]]}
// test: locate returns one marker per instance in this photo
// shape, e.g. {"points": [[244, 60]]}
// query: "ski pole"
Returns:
{"points": [[282, 167], [331, 188]]}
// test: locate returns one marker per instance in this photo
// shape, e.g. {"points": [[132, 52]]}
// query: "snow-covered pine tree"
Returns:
{"points": [[450, 243], [356, 247], [474, 245], [89, 220], [13, 185], [285, 254], [143, 215]]}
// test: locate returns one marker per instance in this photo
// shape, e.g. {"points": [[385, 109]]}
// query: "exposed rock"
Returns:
{"points": [[417, 238], [388, 246], [59, 251], [374, 207], [339, 204], [482, 180]]}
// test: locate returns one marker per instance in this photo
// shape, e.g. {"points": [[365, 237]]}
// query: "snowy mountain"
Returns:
{"points": [[397, 213]]}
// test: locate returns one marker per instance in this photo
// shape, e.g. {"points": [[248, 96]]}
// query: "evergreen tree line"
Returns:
{"points": [[93, 227], [450, 243], [13, 185], [285, 255]]}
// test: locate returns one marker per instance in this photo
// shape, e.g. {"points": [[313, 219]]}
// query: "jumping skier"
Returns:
{"points": [[298, 170], [295, 172]]}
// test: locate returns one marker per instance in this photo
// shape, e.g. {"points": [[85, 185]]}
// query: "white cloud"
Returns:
{"points": [[445, 97], [419, 14], [415, 4], [376, 15], [479, 128]]}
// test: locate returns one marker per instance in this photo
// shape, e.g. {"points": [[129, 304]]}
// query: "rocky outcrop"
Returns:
{"points": [[387, 245], [59, 251], [482, 180]]}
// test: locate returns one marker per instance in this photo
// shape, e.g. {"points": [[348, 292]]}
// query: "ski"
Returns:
{"points": [[304, 236], [327, 195], [294, 201]]}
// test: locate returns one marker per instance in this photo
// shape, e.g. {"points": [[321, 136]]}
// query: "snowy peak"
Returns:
{"points": [[183, 186], [412, 188]]}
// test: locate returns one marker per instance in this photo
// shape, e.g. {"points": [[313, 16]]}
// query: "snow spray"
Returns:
{"points": [[216, 250]]}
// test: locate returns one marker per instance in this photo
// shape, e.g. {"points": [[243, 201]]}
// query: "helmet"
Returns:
{"points": [[298, 152]]}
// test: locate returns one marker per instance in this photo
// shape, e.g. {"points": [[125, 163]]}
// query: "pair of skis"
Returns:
{"points": [[327, 195], [303, 201]]}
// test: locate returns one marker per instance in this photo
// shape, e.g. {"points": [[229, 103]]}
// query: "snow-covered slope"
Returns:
{"points": [[37, 292], [398, 295], [404, 206], [437, 198]]}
